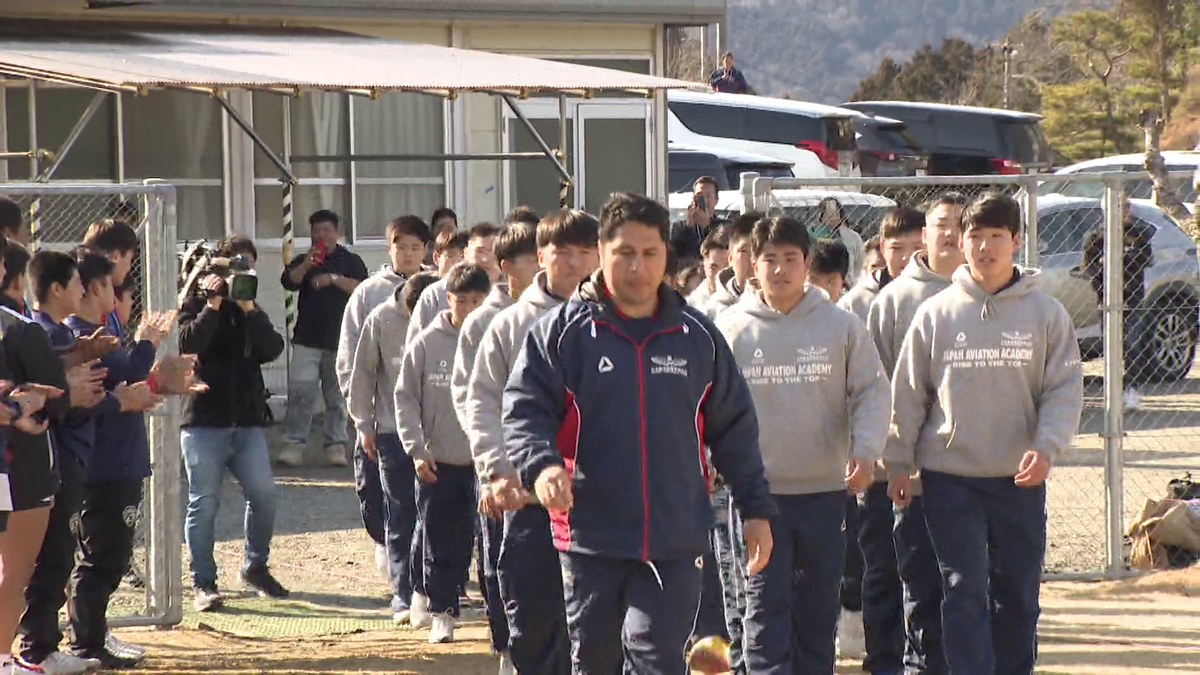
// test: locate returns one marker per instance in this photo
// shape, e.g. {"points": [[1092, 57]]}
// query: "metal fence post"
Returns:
{"points": [[1114, 373], [1028, 199], [165, 592], [746, 187]]}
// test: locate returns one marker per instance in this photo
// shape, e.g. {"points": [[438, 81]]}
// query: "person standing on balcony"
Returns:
{"points": [[325, 275], [727, 79]]}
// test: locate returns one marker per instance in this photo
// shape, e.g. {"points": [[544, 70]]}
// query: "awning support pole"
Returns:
{"points": [[69, 142], [258, 140], [564, 185], [537, 138], [289, 181]]}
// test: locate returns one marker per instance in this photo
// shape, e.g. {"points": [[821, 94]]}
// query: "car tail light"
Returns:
{"points": [[827, 156], [1005, 167], [885, 155]]}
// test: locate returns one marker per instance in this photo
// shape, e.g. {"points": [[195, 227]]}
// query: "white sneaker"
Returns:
{"points": [[122, 648], [506, 665], [851, 640], [418, 611], [59, 663], [442, 630], [381, 559], [336, 455], [292, 455], [401, 618], [1131, 400]]}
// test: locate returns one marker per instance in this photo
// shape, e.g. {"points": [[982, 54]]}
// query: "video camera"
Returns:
{"points": [[201, 260]]}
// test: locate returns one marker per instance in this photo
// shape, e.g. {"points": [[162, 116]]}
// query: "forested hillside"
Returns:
{"points": [[819, 50]]}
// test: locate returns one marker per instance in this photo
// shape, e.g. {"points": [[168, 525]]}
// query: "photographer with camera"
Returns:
{"points": [[686, 235], [223, 427]]}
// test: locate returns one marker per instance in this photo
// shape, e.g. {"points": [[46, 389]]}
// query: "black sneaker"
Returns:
{"points": [[206, 598], [107, 659], [259, 578]]}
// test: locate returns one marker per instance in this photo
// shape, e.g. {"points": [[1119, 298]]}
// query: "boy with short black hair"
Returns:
{"points": [[902, 576], [873, 259], [984, 485], [448, 249], [12, 220], [480, 252], [517, 253], [814, 375], [714, 257], [528, 569], [407, 239], [733, 280], [828, 265], [112, 488], [117, 241], [441, 454], [899, 238], [58, 293]]}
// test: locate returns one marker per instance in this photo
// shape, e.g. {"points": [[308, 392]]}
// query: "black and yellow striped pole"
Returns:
{"points": [[289, 298], [35, 225]]}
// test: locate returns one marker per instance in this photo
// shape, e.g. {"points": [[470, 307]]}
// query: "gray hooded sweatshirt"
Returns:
{"points": [[425, 416], [818, 387], [431, 303], [371, 293], [700, 297], [726, 294], [498, 351], [892, 312], [983, 378], [376, 367], [469, 337], [858, 300]]}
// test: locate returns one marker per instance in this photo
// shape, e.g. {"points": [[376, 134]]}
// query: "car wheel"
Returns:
{"points": [[1171, 340]]}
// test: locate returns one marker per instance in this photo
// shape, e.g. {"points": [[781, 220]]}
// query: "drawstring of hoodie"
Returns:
{"points": [[989, 308], [657, 577]]}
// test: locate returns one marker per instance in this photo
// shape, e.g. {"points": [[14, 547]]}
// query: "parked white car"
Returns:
{"points": [[1139, 188], [818, 140]]}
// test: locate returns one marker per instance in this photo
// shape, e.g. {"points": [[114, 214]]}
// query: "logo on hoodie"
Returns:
{"points": [[605, 366], [670, 365], [1016, 339]]}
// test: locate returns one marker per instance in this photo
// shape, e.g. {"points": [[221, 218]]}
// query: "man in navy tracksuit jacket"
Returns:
{"points": [[607, 414]]}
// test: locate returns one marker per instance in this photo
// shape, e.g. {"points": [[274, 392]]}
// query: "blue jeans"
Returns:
{"points": [[792, 606], [990, 540], [399, 497], [207, 452], [311, 371]]}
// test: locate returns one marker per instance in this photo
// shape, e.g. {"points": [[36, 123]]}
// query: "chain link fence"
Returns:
{"points": [[58, 216], [1141, 419]]}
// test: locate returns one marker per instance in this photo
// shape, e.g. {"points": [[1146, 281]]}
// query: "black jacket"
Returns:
{"points": [[319, 311], [685, 238], [232, 346], [1138, 254], [31, 358]]}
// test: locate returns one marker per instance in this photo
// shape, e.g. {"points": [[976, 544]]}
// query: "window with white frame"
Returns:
{"points": [[366, 194]]}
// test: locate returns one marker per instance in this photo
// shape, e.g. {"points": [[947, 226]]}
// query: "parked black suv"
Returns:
{"points": [[885, 148], [686, 163], [969, 141]]}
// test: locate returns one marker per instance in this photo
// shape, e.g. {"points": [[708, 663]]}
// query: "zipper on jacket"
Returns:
{"points": [[639, 348]]}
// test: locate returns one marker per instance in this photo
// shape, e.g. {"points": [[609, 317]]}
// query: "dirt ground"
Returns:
{"points": [[337, 618], [1147, 626]]}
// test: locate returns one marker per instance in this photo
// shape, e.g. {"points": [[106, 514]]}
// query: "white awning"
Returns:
{"points": [[139, 57]]}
